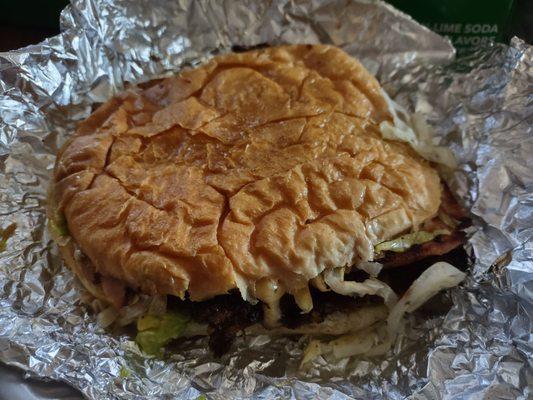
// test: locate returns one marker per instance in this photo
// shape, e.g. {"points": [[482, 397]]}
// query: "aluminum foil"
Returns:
{"points": [[481, 107]]}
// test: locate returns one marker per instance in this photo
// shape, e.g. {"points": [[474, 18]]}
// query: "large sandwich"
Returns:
{"points": [[263, 191]]}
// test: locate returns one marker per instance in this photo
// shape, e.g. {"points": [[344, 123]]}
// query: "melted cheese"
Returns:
{"points": [[318, 282], [303, 299], [270, 293]]}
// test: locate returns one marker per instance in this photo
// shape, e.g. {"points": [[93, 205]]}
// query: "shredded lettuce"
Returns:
{"points": [[156, 331], [414, 130], [404, 242], [439, 276], [124, 373], [378, 338], [58, 225]]}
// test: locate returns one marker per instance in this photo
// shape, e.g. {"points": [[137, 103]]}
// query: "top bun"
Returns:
{"points": [[261, 165]]}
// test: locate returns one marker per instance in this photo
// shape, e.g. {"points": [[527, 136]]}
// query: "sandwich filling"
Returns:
{"points": [[262, 187]]}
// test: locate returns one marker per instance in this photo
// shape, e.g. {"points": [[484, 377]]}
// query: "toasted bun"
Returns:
{"points": [[259, 165]]}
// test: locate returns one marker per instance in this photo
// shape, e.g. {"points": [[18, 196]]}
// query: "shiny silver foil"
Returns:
{"points": [[481, 107]]}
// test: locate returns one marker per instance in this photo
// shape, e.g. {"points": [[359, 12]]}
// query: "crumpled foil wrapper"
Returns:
{"points": [[481, 107]]}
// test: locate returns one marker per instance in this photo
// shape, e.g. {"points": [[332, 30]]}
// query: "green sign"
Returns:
{"points": [[468, 23]]}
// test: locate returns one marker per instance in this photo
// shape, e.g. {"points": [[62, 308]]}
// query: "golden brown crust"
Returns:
{"points": [[266, 164]]}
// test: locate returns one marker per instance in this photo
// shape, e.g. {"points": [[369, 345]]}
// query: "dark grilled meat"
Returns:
{"points": [[229, 314], [440, 245], [226, 316], [399, 279], [451, 207]]}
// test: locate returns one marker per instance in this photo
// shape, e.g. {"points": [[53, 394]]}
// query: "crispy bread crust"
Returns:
{"points": [[259, 165]]}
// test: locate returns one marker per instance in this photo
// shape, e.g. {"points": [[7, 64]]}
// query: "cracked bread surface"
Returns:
{"points": [[266, 164]]}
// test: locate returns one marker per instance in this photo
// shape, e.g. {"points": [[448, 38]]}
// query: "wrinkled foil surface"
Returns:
{"points": [[481, 107]]}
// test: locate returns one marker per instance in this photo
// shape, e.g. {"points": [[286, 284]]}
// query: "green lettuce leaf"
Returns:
{"points": [[404, 242], [58, 225], [156, 331]]}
